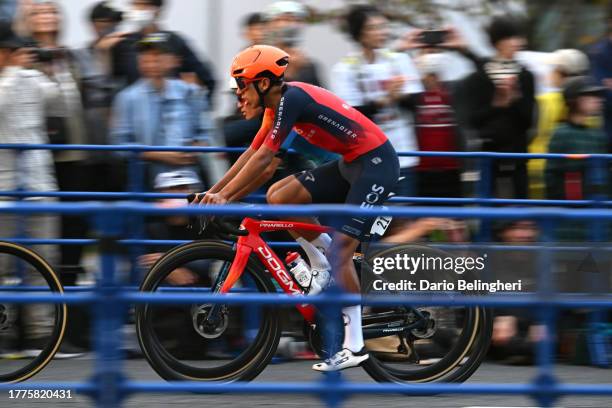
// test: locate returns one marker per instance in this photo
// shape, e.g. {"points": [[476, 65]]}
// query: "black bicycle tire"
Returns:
{"points": [[171, 369], [170, 360], [477, 336], [466, 370], [61, 312]]}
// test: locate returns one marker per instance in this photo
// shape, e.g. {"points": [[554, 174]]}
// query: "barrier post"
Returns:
{"points": [[332, 331], [136, 184], [484, 190], [109, 315], [598, 231], [545, 379]]}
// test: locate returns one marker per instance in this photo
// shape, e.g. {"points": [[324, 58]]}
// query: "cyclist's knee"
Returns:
{"points": [[288, 192], [273, 196]]}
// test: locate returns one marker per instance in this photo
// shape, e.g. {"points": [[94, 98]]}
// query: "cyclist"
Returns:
{"points": [[364, 176]]}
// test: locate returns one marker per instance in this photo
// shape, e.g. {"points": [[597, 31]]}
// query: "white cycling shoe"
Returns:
{"points": [[343, 359]]}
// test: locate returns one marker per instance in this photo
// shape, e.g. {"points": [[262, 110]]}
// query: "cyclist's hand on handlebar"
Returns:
{"points": [[214, 198], [195, 198], [207, 198]]}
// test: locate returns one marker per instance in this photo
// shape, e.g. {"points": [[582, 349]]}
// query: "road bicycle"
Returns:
{"points": [[38, 327], [225, 343]]}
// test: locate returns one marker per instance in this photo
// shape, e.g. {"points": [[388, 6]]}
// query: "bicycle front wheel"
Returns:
{"points": [[30, 334], [177, 340]]}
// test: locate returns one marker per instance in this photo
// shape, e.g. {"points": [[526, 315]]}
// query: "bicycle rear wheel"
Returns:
{"points": [[30, 334], [452, 354], [449, 349], [173, 337]]}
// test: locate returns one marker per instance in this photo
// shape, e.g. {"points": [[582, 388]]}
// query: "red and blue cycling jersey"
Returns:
{"points": [[324, 120]]}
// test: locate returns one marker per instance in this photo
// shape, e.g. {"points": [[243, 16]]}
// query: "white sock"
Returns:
{"points": [[353, 332], [323, 241], [317, 258]]}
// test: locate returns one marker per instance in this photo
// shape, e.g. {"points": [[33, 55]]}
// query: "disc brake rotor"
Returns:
{"points": [[199, 314], [7, 316]]}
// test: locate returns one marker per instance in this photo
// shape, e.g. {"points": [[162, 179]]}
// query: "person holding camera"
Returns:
{"points": [[64, 119], [380, 84], [24, 95]]}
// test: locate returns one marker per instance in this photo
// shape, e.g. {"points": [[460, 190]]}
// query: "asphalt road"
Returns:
{"points": [[74, 370]]}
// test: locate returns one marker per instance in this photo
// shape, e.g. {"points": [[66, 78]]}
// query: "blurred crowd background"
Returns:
{"points": [[499, 76]]}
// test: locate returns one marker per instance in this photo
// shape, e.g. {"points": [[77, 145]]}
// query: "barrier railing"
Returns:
{"points": [[109, 386]]}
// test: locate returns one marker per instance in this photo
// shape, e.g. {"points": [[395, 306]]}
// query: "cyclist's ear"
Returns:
{"points": [[264, 85]]}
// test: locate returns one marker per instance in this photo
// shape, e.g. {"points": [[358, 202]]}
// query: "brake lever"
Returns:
{"points": [[202, 220]]}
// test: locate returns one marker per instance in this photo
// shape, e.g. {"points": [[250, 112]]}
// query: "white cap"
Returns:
{"points": [[431, 63], [285, 7], [570, 61], [176, 178]]}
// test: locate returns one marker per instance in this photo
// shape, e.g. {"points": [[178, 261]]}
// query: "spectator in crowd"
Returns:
{"points": [[569, 179], [159, 111], [64, 119], [8, 8], [515, 332], [98, 89], [436, 130], [285, 21], [254, 29], [601, 60], [501, 100], [379, 83], [24, 93], [572, 179], [141, 20], [97, 85], [567, 63], [174, 227]]}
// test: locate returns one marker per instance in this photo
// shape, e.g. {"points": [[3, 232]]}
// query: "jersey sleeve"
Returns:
{"points": [[266, 126], [289, 110]]}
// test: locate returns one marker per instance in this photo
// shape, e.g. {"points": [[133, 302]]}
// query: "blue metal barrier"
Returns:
{"points": [[109, 386], [109, 377]]}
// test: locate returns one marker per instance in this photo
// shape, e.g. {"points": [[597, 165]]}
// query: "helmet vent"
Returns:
{"points": [[282, 62]]}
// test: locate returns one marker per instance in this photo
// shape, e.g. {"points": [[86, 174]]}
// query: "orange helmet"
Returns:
{"points": [[260, 60]]}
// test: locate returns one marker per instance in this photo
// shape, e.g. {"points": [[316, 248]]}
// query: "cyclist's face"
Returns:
{"points": [[248, 112], [248, 99]]}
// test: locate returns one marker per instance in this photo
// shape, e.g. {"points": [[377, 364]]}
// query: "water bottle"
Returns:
{"points": [[299, 269]]}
